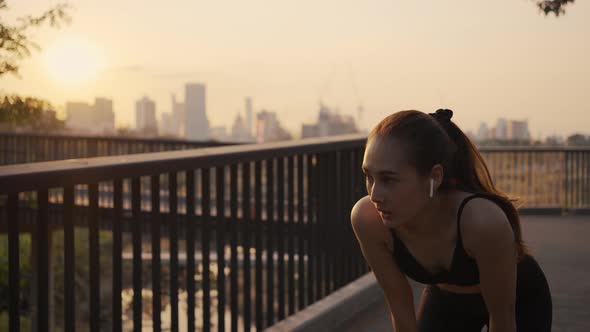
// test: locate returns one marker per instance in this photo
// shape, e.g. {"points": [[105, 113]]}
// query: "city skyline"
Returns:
{"points": [[396, 56], [329, 122]]}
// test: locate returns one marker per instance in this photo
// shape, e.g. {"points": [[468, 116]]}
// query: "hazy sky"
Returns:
{"points": [[483, 59]]}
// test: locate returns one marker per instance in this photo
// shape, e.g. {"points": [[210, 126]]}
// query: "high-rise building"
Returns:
{"points": [[501, 129], [196, 123], [482, 132], [167, 125], [239, 130], [93, 119], [269, 129], [104, 115], [248, 124], [79, 116], [518, 130], [329, 123], [145, 116], [178, 117]]}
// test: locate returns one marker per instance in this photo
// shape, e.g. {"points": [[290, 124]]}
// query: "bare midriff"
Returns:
{"points": [[460, 289]]}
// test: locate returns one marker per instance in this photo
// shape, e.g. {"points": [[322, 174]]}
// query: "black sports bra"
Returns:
{"points": [[463, 270]]}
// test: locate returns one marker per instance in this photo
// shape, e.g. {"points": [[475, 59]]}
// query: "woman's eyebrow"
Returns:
{"points": [[380, 172]]}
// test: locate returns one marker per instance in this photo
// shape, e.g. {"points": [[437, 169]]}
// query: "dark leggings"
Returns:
{"points": [[442, 311]]}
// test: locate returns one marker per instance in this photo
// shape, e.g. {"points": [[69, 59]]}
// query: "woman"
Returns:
{"points": [[434, 215]]}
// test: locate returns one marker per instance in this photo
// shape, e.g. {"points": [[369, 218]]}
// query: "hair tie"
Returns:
{"points": [[442, 115]]}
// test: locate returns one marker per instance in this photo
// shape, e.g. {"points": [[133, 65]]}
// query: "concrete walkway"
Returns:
{"points": [[561, 245]]}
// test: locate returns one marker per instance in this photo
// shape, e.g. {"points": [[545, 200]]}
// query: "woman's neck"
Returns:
{"points": [[438, 215]]}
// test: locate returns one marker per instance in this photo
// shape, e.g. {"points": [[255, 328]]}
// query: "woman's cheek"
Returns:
{"points": [[398, 202], [404, 203]]}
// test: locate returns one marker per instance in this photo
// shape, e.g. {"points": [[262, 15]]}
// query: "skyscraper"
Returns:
{"points": [[329, 123], [145, 116], [79, 116], [196, 123], [239, 130], [518, 130], [93, 119], [502, 129], [178, 117], [249, 115], [104, 115], [483, 132], [269, 129]]}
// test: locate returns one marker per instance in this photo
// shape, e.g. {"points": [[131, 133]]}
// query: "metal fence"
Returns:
{"points": [[267, 225], [549, 178]]}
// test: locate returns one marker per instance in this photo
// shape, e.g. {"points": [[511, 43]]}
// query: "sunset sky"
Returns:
{"points": [[483, 59]]}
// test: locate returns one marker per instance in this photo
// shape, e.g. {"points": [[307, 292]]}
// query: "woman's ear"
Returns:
{"points": [[437, 174]]}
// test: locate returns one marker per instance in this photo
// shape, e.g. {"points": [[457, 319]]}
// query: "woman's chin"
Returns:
{"points": [[388, 221]]}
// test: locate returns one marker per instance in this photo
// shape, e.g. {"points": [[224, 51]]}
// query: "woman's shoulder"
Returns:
{"points": [[480, 210], [367, 224], [483, 221]]}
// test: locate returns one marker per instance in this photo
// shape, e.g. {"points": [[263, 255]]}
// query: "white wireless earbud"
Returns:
{"points": [[431, 187]]}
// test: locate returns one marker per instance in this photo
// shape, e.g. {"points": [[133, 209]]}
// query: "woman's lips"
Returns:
{"points": [[384, 213]]}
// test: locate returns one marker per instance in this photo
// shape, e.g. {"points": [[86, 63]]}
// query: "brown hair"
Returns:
{"points": [[430, 139]]}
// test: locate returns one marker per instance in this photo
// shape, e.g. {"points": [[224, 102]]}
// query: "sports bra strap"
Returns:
{"points": [[461, 206]]}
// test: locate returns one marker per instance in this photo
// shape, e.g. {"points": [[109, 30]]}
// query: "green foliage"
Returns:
{"points": [[24, 267], [25, 322], [15, 43], [553, 6], [34, 113]]}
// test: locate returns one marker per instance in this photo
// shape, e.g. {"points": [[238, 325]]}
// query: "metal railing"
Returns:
{"points": [[275, 216], [254, 232], [542, 178], [20, 148]]}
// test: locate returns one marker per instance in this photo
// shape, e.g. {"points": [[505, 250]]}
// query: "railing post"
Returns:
{"points": [[40, 257], [565, 205], [137, 263], [190, 223], [92, 145], [220, 244], [270, 241], [69, 260], [156, 264], [281, 235], [117, 245], [173, 237], [234, 268], [258, 243], [13, 263], [205, 241]]}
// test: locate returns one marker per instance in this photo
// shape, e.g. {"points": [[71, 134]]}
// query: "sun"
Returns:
{"points": [[73, 61]]}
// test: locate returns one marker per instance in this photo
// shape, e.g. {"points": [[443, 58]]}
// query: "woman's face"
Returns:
{"points": [[395, 187]]}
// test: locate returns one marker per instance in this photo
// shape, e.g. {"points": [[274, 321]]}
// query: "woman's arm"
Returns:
{"points": [[488, 236], [370, 233]]}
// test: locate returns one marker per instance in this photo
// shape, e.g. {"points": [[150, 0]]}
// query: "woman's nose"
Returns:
{"points": [[376, 195]]}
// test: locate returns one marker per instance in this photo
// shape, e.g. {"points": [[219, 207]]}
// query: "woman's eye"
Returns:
{"points": [[388, 180]]}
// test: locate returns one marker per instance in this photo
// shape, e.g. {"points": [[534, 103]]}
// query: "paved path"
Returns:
{"points": [[561, 245]]}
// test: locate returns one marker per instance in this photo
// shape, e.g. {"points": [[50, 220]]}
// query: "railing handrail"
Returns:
{"points": [[64, 173], [120, 138], [540, 148]]}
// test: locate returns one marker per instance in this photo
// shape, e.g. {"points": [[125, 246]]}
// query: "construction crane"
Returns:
{"points": [[359, 109]]}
